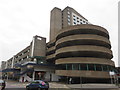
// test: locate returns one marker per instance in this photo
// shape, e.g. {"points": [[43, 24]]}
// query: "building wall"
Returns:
{"points": [[9, 63], [3, 65], [39, 46], [72, 17], [22, 56], [55, 22], [63, 18], [83, 51], [27, 54], [50, 54]]}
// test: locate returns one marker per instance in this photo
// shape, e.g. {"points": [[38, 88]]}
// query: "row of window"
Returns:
{"points": [[22, 53], [78, 20], [91, 67], [17, 61]]}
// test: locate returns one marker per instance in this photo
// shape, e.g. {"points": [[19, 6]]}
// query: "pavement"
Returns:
{"points": [[94, 86], [62, 86]]}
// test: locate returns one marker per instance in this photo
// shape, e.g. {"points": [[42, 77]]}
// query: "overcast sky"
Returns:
{"points": [[20, 20]]}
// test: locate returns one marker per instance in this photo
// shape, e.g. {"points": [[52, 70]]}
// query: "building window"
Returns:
{"points": [[69, 67], [75, 66], [28, 50], [25, 58], [83, 67], [20, 54], [68, 12], [77, 17], [73, 15], [25, 52], [91, 67], [77, 21], [68, 16], [63, 66], [68, 23], [104, 67], [74, 19], [74, 23], [16, 57], [68, 20], [83, 21], [98, 67]]}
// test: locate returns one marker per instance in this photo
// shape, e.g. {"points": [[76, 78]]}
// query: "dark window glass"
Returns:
{"points": [[104, 67], [63, 66], [91, 67], [98, 67], [74, 22], [69, 66], [75, 66], [111, 68], [83, 21], [83, 66]]}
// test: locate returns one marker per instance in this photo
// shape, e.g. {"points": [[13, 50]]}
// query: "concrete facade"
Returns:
{"points": [[77, 49], [84, 51], [30, 63], [80, 50], [55, 22], [63, 18]]}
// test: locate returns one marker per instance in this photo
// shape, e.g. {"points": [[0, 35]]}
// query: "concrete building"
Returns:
{"points": [[64, 18], [30, 63], [80, 50]]}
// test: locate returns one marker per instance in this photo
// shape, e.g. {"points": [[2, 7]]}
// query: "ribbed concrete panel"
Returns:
{"points": [[85, 60], [52, 41], [50, 56], [83, 48], [83, 37], [87, 74], [50, 49], [83, 26]]}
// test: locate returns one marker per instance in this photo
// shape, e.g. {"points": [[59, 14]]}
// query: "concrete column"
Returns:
{"points": [[33, 75], [33, 43], [13, 62]]}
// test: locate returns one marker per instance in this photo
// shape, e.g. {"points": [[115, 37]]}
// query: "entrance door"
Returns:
{"points": [[39, 75]]}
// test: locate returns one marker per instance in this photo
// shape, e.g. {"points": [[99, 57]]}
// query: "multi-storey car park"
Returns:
{"points": [[84, 51], [78, 52]]}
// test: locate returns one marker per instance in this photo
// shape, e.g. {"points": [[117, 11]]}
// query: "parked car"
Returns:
{"points": [[2, 84], [38, 85]]}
